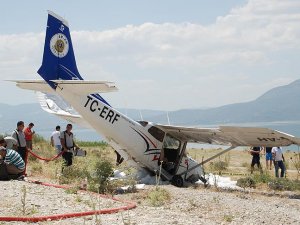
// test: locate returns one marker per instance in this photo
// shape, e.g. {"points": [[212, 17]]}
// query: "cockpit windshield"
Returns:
{"points": [[171, 142]]}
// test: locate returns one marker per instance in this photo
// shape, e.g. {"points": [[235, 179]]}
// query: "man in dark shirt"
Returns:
{"points": [[255, 152]]}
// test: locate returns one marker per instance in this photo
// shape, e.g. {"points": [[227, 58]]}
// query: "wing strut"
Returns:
{"points": [[207, 160]]}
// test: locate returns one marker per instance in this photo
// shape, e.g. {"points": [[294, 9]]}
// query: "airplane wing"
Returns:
{"points": [[232, 136]]}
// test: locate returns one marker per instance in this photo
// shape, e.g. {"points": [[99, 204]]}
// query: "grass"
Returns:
{"points": [[239, 162], [158, 197], [99, 164], [228, 218]]}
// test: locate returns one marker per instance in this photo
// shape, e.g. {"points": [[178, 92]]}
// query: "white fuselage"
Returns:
{"points": [[123, 133]]}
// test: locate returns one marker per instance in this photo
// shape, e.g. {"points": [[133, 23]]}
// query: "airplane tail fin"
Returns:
{"points": [[58, 60]]}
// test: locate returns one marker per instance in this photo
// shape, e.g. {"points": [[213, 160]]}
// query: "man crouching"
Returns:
{"points": [[12, 159]]}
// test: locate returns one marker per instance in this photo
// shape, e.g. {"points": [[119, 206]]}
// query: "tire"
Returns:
{"points": [[177, 181]]}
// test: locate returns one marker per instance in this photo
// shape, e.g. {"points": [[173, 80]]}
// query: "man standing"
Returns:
{"points": [[19, 135], [255, 152], [268, 152], [55, 139], [68, 144], [28, 135], [278, 161]]}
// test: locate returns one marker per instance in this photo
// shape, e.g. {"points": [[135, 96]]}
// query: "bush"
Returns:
{"points": [[284, 185], [72, 174], [295, 160], [158, 197], [246, 182], [218, 166], [262, 178], [99, 181]]}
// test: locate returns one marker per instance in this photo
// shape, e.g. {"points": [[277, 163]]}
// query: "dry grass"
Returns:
{"points": [[237, 161]]}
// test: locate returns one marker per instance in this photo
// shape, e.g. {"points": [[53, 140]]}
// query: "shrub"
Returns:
{"points": [[72, 174], [99, 181], [262, 178], [284, 185], [158, 197], [218, 166], [295, 159], [246, 182]]}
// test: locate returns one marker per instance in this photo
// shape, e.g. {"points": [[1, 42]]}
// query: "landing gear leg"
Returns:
{"points": [[204, 181]]}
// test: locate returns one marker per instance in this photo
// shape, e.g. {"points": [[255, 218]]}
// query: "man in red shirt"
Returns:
{"points": [[28, 135]]}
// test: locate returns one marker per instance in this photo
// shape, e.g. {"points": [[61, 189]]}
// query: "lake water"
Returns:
{"points": [[290, 127]]}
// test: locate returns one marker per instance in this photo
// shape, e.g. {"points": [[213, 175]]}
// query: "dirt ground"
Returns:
{"points": [[186, 206]]}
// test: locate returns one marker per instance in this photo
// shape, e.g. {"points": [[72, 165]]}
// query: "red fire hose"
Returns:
{"points": [[38, 157], [130, 205], [41, 158]]}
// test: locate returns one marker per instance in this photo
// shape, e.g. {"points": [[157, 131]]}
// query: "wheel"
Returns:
{"points": [[177, 181]]}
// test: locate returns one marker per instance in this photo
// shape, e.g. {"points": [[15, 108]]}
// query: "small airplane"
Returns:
{"points": [[65, 93]]}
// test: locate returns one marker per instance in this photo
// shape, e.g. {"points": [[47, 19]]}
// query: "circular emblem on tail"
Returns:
{"points": [[59, 45]]}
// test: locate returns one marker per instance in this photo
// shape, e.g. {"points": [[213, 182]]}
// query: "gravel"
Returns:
{"points": [[187, 206]]}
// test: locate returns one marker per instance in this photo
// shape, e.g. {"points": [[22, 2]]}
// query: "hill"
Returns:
{"points": [[278, 104]]}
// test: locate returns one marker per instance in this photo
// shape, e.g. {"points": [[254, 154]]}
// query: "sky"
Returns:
{"points": [[164, 55]]}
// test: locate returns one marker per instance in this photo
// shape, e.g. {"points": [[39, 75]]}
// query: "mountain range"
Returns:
{"points": [[278, 104]]}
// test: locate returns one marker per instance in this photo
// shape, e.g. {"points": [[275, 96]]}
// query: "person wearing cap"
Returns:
{"points": [[28, 135], [12, 159], [19, 135], [11, 143]]}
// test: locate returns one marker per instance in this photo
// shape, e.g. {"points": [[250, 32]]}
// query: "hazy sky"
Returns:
{"points": [[162, 54]]}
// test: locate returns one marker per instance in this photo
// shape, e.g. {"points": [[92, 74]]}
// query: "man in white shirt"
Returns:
{"points": [[278, 161], [19, 135], [55, 139]]}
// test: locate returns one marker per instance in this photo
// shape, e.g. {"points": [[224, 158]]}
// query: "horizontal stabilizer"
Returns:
{"points": [[86, 86], [56, 105], [35, 85], [79, 86]]}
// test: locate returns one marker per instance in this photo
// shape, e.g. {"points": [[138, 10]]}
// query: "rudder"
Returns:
{"points": [[58, 59]]}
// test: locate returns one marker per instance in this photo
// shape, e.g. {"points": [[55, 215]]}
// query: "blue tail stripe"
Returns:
{"points": [[58, 52], [59, 58], [100, 99]]}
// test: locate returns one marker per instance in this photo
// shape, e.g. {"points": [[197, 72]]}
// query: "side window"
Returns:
{"points": [[157, 133], [143, 123], [171, 142]]}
